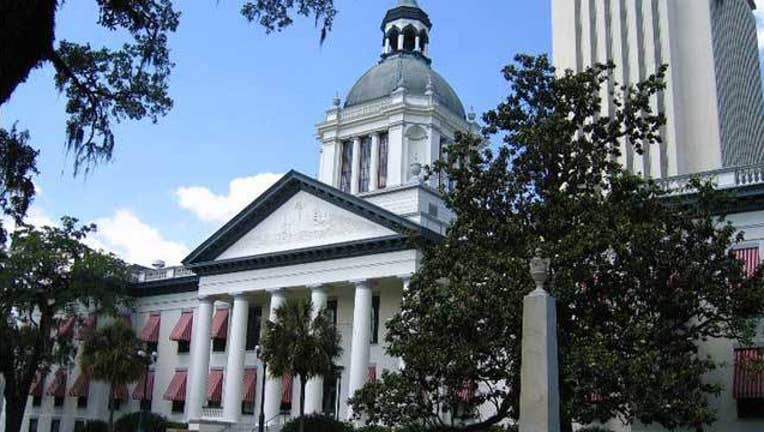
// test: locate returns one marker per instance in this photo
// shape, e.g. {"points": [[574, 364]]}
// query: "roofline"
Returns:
{"points": [[409, 12], [277, 194]]}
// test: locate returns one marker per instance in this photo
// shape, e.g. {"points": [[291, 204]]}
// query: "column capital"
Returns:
{"points": [[360, 282], [237, 295], [316, 287], [276, 291], [205, 298]]}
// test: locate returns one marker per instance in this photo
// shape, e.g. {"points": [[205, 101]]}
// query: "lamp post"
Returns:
{"points": [[261, 419], [148, 360]]}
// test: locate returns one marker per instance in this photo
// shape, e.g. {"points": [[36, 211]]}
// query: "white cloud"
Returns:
{"points": [[759, 14], [211, 207], [135, 241]]}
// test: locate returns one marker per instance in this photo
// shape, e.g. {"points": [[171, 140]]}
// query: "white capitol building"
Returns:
{"points": [[348, 239]]}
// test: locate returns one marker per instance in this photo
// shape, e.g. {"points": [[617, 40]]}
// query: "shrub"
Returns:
{"points": [[594, 429], [317, 423], [373, 428], [95, 426], [130, 422]]}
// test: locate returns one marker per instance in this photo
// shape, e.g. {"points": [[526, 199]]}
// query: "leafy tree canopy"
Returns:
{"points": [[642, 275], [47, 277]]}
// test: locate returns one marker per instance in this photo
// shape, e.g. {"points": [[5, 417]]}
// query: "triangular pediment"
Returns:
{"points": [[300, 219], [304, 221]]}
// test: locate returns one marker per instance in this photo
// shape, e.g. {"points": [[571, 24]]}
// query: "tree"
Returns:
{"points": [[102, 85], [17, 166], [47, 277], [300, 344], [642, 275], [111, 355]]}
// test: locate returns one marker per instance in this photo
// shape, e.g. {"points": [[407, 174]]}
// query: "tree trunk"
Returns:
{"points": [[14, 413], [111, 407], [302, 403]]}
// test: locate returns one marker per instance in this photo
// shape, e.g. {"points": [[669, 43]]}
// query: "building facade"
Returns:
{"points": [[347, 240], [713, 101]]}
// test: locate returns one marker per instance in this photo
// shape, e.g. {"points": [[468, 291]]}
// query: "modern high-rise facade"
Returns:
{"points": [[713, 103]]}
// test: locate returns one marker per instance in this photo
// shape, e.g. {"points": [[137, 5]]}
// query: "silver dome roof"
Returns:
{"points": [[415, 72]]}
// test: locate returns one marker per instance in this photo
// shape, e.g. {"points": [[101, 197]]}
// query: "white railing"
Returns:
{"points": [[212, 413], [724, 178]]}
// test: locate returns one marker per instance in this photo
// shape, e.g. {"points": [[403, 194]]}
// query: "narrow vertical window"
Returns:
{"points": [[331, 307], [375, 319], [253, 327], [382, 171], [365, 174], [346, 166]]}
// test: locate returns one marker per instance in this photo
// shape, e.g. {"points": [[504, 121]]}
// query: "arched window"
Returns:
{"points": [[424, 40], [392, 35], [409, 38]]}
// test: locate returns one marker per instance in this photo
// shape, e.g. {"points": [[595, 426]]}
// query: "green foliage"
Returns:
{"points": [[104, 86], [317, 423], [17, 166], [641, 277], [95, 426], [131, 422], [110, 355], [594, 429], [373, 428]]}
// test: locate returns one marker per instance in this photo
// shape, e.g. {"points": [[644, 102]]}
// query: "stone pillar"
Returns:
{"points": [[417, 46], [387, 44], [355, 168], [539, 391], [359, 347], [374, 163], [200, 358], [400, 41], [314, 388], [235, 365], [273, 385]]}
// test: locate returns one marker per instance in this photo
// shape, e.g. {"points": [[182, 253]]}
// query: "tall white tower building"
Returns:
{"points": [[713, 102]]}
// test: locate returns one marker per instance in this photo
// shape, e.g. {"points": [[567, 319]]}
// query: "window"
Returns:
{"points": [[184, 347], [218, 345], [331, 308], [375, 319], [58, 401], [79, 425], [146, 404], [409, 38], [248, 408], [346, 166], [151, 347], [382, 171], [750, 408], [178, 406], [365, 174], [213, 404], [82, 402], [33, 425], [115, 403], [253, 327], [36, 401], [55, 425]]}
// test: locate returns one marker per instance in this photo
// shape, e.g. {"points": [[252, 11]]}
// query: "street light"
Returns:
{"points": [[261, 426], [148, 361]]}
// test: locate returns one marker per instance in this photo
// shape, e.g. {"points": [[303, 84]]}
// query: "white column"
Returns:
{"points": [[355, 168], [387, 44], [314, 388], [200, 358], [359, 348], [235, 365], [416, 44], [374, 163], [539, 390], [400, 42], [273, 385]]}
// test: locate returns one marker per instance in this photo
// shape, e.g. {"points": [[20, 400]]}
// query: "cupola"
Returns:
{"points": [[406, 29]]}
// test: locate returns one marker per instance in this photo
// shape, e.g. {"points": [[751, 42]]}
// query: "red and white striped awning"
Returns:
{"points": [[58, 387], [249, 389], [750, 259], [66, 326], [749, 374], [150, 332], [371, 374], [81, 386], [220, 324], [138, 390], [37, 385], [215, 385], [120, 392], [467, 393], [286, 388], [176, 391], [182, 329]]}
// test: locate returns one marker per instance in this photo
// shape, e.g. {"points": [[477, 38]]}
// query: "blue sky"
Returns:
{"points": [[245, 108]]}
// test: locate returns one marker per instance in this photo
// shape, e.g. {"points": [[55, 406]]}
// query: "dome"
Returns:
{"points": [[381, 80]]}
